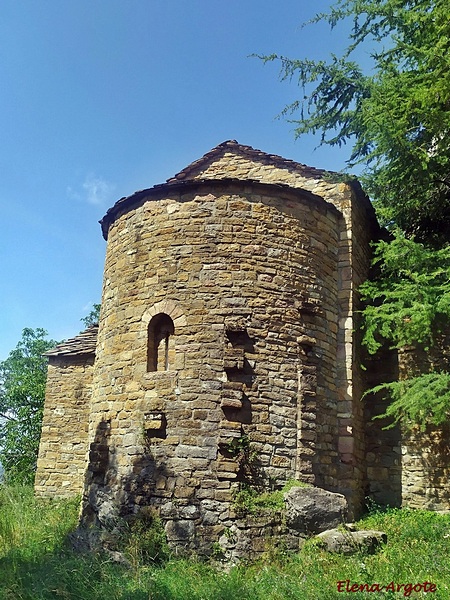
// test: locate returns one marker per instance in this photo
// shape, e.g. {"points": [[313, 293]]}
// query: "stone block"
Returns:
{"points": [[313, 510], [180, 531], [154, 421], [348, 541]]}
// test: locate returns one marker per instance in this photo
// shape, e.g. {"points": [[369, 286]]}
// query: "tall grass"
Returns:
{"points": [[36, 563]]}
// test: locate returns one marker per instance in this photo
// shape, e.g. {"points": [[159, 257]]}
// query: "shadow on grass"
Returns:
{"points": [[64, 575], [69, 576]]}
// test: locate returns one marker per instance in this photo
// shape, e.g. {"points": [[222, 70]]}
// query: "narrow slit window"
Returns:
{"points": [[159, 349]]}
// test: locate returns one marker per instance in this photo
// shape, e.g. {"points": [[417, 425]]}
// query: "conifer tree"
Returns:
{"points": [[395, 117]]}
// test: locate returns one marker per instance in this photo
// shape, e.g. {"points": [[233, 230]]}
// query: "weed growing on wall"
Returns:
{"points": [[145, 542], [247, 500]]}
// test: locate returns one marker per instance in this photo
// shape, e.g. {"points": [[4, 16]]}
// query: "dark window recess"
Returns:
{"points": [[240, 338], [240, 375], [155, 425], [237, 344], [159, 350]]}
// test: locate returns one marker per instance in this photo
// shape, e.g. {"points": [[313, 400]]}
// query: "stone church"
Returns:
{"points": [[228, 353]]}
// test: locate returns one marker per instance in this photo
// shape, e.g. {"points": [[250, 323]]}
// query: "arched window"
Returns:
{"points": [[160, 329]]}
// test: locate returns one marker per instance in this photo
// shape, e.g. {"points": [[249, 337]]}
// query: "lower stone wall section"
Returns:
{"points": [[426, 454], [207, 530], [256, 535], [426, 469], [223, 530], [383, 443]]}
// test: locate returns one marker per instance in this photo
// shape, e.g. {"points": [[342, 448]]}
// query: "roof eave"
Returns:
{"points": [[127, 203]]}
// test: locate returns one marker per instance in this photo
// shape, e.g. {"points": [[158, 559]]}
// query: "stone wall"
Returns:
{"points": [[63, 449], [383, 445], [358, 229], [228, 354], [426, 454], [228, 349], [406, 468], [253, 278], [426, 468]]}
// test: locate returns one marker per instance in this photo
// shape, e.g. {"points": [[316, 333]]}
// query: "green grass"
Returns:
{"points": [[37, 564], [249, 501]]}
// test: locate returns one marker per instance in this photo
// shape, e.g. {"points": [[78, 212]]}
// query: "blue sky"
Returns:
{"points": [[100, 98]]}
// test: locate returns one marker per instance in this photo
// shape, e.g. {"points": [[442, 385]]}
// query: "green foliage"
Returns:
{"points": [[145, 542], [420, 400], [22, 391], [38, 564], [247, 500], [244, 453], [241, 449], [395, 113], [409, 306], [93, 317], [410, 298], [244, 500], [31, 526]]}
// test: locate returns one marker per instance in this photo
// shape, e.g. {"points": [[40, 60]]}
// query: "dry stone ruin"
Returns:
{"points": [[228, 353]]}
